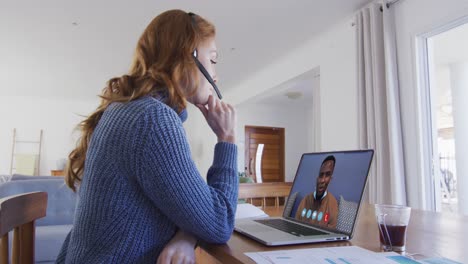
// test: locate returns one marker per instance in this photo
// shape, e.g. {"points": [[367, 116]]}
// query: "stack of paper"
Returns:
{"points": [[247, 210]]}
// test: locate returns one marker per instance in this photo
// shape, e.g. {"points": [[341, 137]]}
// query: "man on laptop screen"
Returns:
{"points": [[320, 207], [312, 213]]}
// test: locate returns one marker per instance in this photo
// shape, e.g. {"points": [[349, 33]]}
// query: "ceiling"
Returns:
{"points": [[450, 46], [70, 48], [297, 92]]}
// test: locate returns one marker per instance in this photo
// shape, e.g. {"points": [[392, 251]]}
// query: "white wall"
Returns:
{"points": [[292, 119], [314, 121], [459, 84], [299, 133], [201, 138], [334, 52], [57, 117], [414, 18]]}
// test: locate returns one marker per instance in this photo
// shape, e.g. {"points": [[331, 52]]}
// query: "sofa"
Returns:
{"points": [[52, 229]]}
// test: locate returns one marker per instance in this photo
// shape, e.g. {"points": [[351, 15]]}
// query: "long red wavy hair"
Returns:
{"points": [[162, 64]]}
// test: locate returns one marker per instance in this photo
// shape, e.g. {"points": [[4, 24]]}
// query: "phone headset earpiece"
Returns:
{"points": [[200, 66]]}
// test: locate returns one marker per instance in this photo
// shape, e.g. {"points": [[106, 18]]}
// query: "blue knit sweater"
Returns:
{"points": [[140, 185]]}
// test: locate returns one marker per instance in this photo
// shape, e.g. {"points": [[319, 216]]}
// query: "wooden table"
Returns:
{"points": [[429, 233]]}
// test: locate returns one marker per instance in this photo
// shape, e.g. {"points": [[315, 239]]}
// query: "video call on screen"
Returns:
{"points": [[328, 188]]}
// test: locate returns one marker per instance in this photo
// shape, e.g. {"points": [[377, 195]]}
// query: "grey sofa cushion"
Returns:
{"points": [[5, 178], [18, 177], [346, 214], [61, 200], [49, 240]]}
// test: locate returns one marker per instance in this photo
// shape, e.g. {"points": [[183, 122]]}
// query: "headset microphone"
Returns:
{"points": [[200, 66], [206, 74]]}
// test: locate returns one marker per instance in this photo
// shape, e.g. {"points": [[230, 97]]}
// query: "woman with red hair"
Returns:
{"points": [[141, 197]]}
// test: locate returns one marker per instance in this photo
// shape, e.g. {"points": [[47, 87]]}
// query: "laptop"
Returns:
{"points": [[323, 203]]}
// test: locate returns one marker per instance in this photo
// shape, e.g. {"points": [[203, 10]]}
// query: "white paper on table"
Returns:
{"points": [[327, 255], [418, 258], [439, 260], [248, 210]]}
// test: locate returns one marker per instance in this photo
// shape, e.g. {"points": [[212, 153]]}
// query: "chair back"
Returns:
{"points": [[19, 213], [265, 190]]}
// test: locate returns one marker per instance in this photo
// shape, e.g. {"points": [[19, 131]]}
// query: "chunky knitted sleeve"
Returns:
{"points": [[170, 179]]}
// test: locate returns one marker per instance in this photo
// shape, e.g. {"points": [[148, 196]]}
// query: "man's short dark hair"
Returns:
{"points": [[332, 158]]}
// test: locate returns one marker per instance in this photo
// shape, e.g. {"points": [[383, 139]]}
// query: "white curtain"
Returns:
{"points": [[379, 105]]}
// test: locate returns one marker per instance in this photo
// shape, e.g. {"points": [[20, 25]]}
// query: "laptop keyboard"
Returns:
{"points": [[290, 227]]}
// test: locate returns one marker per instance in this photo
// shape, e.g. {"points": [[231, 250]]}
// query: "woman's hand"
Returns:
{"points": [[180, 250], [221, 117]]}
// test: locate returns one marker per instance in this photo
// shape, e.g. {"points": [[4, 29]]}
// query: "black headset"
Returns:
{"points": [[200, 66]]}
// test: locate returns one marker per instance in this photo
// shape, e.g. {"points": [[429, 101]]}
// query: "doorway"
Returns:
{"points": [[446, 85], [264, 153]]}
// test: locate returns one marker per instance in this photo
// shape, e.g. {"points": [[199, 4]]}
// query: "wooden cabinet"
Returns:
{"points": [[57, 173]]}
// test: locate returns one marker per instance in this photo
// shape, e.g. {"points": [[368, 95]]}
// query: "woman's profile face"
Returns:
{"points": [[207, 54]]}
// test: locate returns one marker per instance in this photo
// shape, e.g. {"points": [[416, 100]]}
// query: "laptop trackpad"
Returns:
{"points": [[264, 232]]}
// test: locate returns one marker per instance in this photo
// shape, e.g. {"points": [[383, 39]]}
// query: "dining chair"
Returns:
{"points": [[250, 191], [18, 213]]}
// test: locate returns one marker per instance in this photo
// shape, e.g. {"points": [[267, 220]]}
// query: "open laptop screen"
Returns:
{"points": [[328, 188]]}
